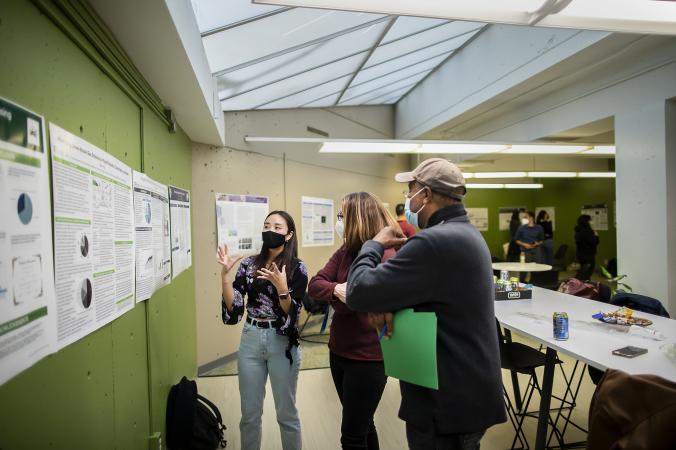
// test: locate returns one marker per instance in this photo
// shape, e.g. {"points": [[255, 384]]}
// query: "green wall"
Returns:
{"points": [[567, 195], [108, 390]]}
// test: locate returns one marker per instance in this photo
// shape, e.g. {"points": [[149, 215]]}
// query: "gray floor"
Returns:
{"points": [[320, 411]]}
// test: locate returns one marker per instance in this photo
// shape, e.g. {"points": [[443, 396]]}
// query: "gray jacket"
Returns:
{"points": [[446, 269]]}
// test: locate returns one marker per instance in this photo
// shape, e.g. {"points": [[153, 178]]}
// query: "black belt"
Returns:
{"points": [[259, 324]]}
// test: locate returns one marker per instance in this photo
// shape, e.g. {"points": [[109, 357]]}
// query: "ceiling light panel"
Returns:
{"points": [[552, 174], [543, 149], [367, 147], [600, 150], [299, 61], [277, 33], [461, 148], [500, 174], [596, 174], [484, 186], [523, 186]]}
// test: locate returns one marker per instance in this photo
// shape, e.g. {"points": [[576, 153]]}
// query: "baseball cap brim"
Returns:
{"points": [[404, 177]]}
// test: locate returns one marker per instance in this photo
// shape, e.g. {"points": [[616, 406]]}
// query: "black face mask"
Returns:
{"points": [[272, 239]]}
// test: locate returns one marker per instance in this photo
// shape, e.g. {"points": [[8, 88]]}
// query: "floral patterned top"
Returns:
{"points": [[263, 299]]}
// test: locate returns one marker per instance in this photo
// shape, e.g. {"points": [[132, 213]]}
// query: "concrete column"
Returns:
{"points": [[645, 136]]}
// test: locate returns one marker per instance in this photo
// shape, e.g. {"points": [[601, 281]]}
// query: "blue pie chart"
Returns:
{"points": [[24, 207]]}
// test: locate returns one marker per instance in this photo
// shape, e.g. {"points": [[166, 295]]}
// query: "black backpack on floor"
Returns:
{"points": [[193, 422]]}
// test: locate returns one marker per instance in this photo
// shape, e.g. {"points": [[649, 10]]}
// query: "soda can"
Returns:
{"points": [[504, 275], [560, 320]]}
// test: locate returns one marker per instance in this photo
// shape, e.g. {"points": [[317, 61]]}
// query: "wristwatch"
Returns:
{"points": [[284, 296]]}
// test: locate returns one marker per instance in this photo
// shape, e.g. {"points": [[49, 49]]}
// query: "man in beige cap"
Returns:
{"points": [[446, 269]]}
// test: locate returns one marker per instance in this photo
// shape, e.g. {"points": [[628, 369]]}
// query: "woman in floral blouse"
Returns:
{"points": [[274, 283]]}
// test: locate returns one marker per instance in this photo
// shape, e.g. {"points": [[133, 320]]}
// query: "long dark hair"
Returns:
{"points": [[541, 216], [289, 255], [583, 222]]}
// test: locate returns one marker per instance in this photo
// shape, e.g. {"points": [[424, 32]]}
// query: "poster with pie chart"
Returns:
{"points": [[24, 208], [27, 299]]}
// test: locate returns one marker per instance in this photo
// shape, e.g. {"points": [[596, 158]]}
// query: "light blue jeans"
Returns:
{"points": [[262, 352]]}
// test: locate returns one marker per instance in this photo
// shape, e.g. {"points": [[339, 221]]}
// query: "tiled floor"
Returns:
{"points": [[320, 411]]}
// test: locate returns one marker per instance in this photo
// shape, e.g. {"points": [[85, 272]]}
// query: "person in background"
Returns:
{"points": [[529, 237], [548, 244], [355, 357], [444, 269], [406, 228], [514, 223], [274, 282], [586, 242]]}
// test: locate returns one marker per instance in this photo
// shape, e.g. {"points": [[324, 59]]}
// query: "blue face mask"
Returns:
{"points": [[412, 217]]}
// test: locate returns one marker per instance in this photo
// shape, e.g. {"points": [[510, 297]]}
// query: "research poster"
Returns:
{"points": [[181, 244], [551, 210], [318, 221], [505, 216], [599, 216], [478, 217], [153, 241], [239, 222], [93, 236], [27, 305]]}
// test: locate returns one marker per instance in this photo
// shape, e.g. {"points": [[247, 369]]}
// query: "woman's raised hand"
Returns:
{"points": [[225, 259]]}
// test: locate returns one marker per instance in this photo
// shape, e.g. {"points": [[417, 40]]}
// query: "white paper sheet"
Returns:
{"points": [[93, 236], [239, 222], [478, 217], [181, 244], [599, 216], [27, 305], [318, 221], [152, 231]]}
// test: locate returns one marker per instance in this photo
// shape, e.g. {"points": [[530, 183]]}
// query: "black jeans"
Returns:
{"points": [[420, 440], [360, 384], [586, 269]]}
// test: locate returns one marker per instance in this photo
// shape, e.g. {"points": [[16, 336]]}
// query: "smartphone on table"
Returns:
{"points": [[630, 351]]}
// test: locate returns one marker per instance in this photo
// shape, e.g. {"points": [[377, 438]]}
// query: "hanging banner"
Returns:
{"points": [[239, 222], [153, 243], [27, 305], [318, 221], [181, 244], [93, 236]]}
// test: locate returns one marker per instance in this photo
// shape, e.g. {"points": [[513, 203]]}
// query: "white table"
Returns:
{"points": [[518, 267], [590, 341]]}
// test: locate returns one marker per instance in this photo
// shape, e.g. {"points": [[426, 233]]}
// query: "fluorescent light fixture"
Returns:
{"points": [[484, 186], [626, 16], [500, 174], [466, 148], [600, 150], [468, 175], [368, 147], [543, 149], [424, 146], [596, 174], [524, 186], [552, 174]]}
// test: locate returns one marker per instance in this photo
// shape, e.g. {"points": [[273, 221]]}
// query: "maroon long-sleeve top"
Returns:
{"points": [[351, 334]]}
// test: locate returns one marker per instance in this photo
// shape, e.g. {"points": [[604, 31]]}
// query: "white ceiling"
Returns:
{"points": [[272, 57]]}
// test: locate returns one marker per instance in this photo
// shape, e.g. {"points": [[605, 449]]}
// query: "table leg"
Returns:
{"points": [[545, 399]]}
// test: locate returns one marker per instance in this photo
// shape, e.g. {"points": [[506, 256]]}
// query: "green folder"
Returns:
{"points": [[411, 353]]}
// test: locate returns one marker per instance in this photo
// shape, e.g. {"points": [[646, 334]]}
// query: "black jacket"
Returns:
{"points": [[586, 242], [446, 269]]}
